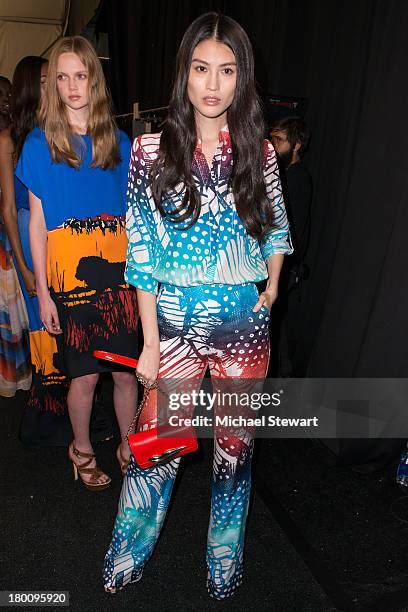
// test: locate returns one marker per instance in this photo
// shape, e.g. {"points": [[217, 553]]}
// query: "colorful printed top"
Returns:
{"points": [[217, 248]]}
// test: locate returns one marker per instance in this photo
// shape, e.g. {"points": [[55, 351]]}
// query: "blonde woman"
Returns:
{"points": [[75, 168]]}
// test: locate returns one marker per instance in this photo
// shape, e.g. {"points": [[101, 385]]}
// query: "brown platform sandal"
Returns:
{"points": [[83, 468], [123, 463]]}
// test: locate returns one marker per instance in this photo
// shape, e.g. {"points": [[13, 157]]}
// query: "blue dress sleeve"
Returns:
{"points": [[277, 240], [29, 163], [140, 224]]}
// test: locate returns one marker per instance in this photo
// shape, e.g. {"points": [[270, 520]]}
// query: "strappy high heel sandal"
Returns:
{"points": [[123, 463], [82, 468]]}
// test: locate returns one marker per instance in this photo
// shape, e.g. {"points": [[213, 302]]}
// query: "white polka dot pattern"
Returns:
{"points": [[217, 248]]}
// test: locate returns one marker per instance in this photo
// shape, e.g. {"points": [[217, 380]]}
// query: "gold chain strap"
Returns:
{"points": [[146, 391]]}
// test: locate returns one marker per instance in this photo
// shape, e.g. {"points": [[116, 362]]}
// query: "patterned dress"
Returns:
{"points": [[84, 212], [207, 274], [15, 364], [45, 419]]}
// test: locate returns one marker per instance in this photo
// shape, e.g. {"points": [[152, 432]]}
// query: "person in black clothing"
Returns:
{"points": [[290, 137]]}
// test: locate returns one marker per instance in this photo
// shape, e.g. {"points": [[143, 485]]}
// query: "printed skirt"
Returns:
{"points": [[96, 308]]}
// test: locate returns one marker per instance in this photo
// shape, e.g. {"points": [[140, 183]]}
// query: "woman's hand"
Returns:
{"points": [[149, 362], [29, 282], [49, 315], [266, 298]]}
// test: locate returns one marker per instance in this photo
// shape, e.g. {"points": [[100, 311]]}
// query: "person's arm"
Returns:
{"points": [[9, 210], [149, 360], [268, 297], [276, 243], [38, 244], [141, 258], [299, 185]]}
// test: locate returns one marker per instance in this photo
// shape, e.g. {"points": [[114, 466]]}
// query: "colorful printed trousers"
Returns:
{"points": [[214, 326]]}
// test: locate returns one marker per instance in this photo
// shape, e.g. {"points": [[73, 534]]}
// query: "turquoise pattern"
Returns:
{"points": [[217, 248], [206, 320], [210, 326]]}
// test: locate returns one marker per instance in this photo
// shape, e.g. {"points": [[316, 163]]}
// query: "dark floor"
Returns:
{"points": [[320, 538]]}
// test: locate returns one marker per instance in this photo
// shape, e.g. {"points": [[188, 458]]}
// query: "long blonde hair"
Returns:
{"points": [[53, 117]]}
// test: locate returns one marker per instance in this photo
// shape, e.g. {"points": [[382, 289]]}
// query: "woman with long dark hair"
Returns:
{"points": [[205, 219], [28, 83]]}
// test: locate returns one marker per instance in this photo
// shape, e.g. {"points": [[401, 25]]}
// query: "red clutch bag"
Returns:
{"points": [[146, 446], [149, 450]]}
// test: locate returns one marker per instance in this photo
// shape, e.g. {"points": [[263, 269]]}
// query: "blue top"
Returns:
{"points": [[20, 194], [67, 193], [217, 248]]}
